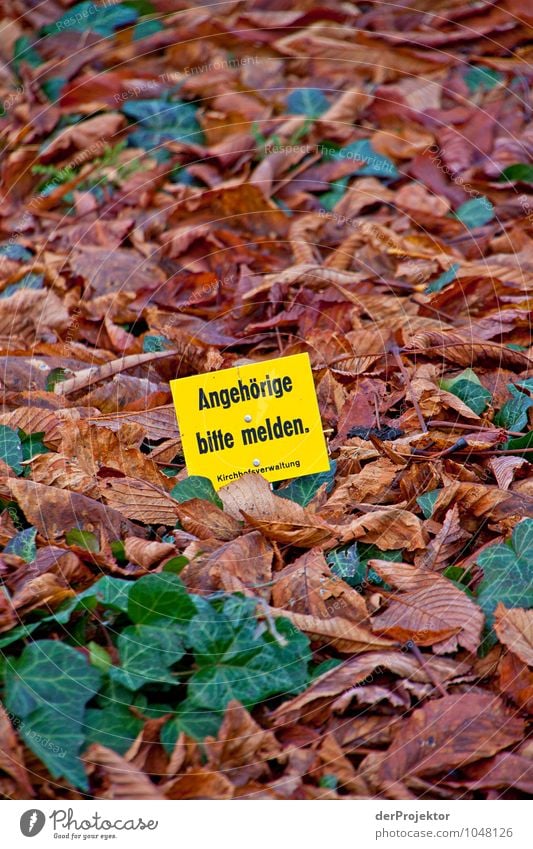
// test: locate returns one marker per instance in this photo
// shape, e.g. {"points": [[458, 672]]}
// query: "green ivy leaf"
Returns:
{"points": [[21, 632], [477, 78], [47, 688], [162, 121], [146, 654], [307, 101], [508, 571], [375, 164], [467, 386], [24, 51], [83, 539], [196, 724], [303, 490], [160, 599], [23, 544], [56, 375], [345, 563], [240, 660], [11, 448], [444, 279], [195, 486], [337, 190], [521, 172], [32, 444], [116, 726], [29, 281], [155, 343], [476, 212], [520, 444], [427, 501], [103, 20], [513, 414]]}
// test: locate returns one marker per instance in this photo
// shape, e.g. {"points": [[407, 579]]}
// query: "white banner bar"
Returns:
{"points": [[268, 825]]}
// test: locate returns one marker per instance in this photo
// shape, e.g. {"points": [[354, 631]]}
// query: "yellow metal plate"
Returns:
{"points": [[261, 418]]}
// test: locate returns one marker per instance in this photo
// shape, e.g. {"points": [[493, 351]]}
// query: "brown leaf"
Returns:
{"points": [[446, 545], [85, 134], [335, 632], [308, 586], [504, 469], [514, 628], [12, 756], [147, 553], [53, 511], [504, 770], [47, 591], [94, 447], [277, 518], [200, 783], [242, 749], [137, 499], [388, 528], [122, 780], [205, 520], [429, 609], [241, 565], [448, 733], [31, 314], [59, 471], [363, 670]]}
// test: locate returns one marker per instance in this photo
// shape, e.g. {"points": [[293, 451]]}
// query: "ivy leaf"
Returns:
{"points": [[32, 444], [57, 743], [303, 490], [508, 571], [427, 501], [83, 539], [476, 212], [146, 28], [111, 593], [195, 486], [160, 599], [467, 386], [444, 279], [103, 20], [162, 121], [48, 688], [513, 414], [146, 654], [521, 172], [336, 192], [478, 78], [345, 563], [11, 448], [114, 726], [307, 101], [375, 164], [24, 51], [23, 544], [16, 252], [155, 343], [195, 723], [240, 660], [19, 633], [520, 444], [29, 281], [56, 375]]}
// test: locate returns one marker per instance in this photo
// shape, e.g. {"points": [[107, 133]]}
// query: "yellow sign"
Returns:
{"points": [[262, 418]]}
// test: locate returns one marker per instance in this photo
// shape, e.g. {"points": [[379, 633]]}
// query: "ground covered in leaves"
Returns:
{"points": [[186, 189]]}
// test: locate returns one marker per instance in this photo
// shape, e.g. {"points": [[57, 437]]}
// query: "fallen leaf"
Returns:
{"points": [[428, 609]]}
